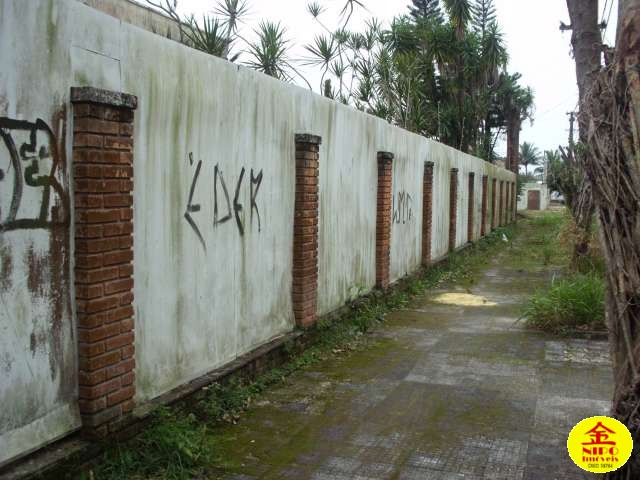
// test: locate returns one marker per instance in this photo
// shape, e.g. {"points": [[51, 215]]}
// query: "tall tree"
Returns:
{"points": [[515, 105], [586, 43], [426, 10], [529, 156], [611, 112], [459, 12], [484, 14]]}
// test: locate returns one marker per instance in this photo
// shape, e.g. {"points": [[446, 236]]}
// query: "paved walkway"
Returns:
{"points": [[451, 388]]}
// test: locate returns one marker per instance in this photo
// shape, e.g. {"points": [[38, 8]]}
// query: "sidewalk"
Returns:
{"points": [[453, 387]]}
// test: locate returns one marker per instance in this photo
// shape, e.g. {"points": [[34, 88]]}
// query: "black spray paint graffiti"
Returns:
{"points": [[31, 173], [222, 203], [402, 208]]}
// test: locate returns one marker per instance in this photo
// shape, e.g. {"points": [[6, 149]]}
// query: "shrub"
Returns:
{"points": [[174, 443], [572, 303]]}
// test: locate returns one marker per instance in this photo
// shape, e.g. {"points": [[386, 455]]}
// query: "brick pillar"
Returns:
{"points": [[510, 213], [515, 201], [427, 212], [103, 211], [483, 224], [383, 220], [453, 209], [501, 217], [507, 202], [494, 196], [470, 214], [305, 231]]}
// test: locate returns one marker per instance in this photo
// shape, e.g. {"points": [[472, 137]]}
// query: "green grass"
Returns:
{"points": [[540, 246], [575, 302], [179, 442], [175, 443]]}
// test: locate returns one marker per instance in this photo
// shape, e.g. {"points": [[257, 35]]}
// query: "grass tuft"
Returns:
{"points": [[575, 302]]}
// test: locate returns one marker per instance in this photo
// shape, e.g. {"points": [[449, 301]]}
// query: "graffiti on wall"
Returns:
{"points": [[402, 207], [34, 196], [227, 206], [31, 193]]}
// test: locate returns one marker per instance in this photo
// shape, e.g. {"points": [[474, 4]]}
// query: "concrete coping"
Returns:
{"points": [[308, 138], [385, 156], [103, 97]]}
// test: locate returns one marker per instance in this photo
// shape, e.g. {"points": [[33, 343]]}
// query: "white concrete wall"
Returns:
{"points": [[37, 331], [203, 299]]}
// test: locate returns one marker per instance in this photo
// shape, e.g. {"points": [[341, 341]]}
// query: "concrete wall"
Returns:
{"points": [[37, 331], [208, 290], [138, 14]]}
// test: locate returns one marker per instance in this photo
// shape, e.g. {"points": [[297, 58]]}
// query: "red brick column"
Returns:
{"points": [[453, 209], [501, 217], [383, 220], [103, 211], [305, 230], [507, 202], [511, 204], [483, 224], [515, 201], [494, 196], [470, 214], [427, 212]]}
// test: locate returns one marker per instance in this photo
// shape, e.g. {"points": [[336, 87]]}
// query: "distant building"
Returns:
{"points": [[535, 196]]}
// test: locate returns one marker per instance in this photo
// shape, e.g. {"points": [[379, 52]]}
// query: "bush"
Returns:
{"points": [[572, 303], [174, 444]]}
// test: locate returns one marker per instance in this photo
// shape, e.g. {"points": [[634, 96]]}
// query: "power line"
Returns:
{"points": [[604, 9], [606, 25], [554, 108]]}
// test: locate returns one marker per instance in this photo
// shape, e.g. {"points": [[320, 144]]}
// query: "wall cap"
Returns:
{"points": [[308, 138], [103, 97], [428, 164], [454, 170], [385, 156]]}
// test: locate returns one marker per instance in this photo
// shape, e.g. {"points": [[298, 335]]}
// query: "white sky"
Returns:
{"points": [[537, 49]]}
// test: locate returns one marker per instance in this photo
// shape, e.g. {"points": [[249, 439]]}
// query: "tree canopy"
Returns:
{"points": [[440, 70]]}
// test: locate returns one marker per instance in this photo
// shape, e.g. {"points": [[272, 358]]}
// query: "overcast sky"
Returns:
{"points": [[537, 49]]}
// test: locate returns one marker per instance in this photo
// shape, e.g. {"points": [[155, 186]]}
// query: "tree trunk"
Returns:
{"points": [[587, 51], [613, 118], [582, 210], [513, 144]]}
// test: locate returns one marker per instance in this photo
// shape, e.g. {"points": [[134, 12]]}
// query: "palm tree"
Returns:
{"points": [[270, 53], [212, 35], [323, 51], [459, 12], [514, 105], [529, 155]]}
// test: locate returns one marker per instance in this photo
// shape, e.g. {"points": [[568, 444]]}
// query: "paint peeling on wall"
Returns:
{"points": [[38, 354]]}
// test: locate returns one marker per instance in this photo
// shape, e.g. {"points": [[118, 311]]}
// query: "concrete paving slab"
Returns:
{"points": [[454, 387]]}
